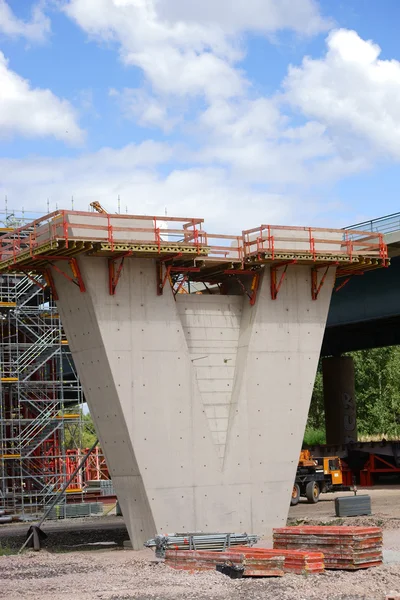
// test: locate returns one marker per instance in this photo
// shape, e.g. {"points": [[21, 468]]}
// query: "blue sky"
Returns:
{"points": [[238, 111]]}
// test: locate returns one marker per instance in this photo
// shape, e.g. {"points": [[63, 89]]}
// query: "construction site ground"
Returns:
{"points": [[84, 559]]}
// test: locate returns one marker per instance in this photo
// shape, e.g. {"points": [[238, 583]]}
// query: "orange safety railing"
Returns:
{"points": [[312, 241], [162, 232], [58, 226]]}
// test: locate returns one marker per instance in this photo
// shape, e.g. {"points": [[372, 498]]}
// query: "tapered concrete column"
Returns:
{"points": [[339, 400], [200, 401]]}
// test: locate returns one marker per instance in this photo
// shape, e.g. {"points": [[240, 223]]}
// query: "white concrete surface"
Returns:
{"points": [[200, 403]]}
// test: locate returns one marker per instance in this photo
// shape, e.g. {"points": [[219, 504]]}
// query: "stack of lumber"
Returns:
{"points": [[343, 547], [299, 562], [253, 565]]}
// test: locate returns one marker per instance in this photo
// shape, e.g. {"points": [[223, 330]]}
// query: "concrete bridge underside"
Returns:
{"points": [[200, 401]]}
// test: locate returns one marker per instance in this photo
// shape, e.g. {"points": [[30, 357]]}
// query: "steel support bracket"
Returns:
{"points": [[254, 289], [161, 278], [42, 287], [50, 282], [185, 271], [316, 283], [277, 278], [255, 282], [346, 281], [169, 269], [73, 265], [114, 271]]}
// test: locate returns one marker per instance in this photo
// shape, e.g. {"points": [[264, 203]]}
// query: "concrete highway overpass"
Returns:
{"points": [[365, 313]]}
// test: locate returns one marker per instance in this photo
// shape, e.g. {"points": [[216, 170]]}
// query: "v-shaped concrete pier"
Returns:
{"points": [[200, 402], [200, 399]]}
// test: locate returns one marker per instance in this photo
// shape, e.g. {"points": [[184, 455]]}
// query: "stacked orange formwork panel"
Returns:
{"points": [[347, 548], [255, 564], [298, 562]]}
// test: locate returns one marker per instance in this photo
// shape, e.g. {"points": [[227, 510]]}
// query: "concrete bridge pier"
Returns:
{"points": [[200, 401], [339, 400]]}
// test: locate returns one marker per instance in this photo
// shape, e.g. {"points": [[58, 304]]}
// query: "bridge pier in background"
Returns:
{"points": [[339, 400]]}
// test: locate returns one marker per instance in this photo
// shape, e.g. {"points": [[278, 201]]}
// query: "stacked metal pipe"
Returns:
{"points": [[218, 542]]}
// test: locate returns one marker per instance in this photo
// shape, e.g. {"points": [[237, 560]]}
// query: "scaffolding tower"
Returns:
{"points": [[41, 399]]}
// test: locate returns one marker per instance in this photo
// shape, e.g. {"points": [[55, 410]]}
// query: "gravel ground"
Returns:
{"points": [[128, 575], [56, 573], [69, 533]]}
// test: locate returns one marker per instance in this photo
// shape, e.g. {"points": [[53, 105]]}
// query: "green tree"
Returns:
{"points": [[377, 375], [316, 415], [76, 436], [377, 387]]}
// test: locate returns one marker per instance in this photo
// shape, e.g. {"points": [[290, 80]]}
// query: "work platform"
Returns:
{"points": [[197, 353], [185, 247]]}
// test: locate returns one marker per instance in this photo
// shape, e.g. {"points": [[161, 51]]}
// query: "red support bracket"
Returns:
{"points": [[50, 282], [110, 232], [316, 285], [162, 279], [42, 287], [346, 281], [180, 286], [114, 271], [254, 283], [73, 264], [254, 288], [276, 283], [341, 285]]}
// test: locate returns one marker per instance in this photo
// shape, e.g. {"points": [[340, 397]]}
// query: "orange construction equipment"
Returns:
{"points": [[315, 476]]}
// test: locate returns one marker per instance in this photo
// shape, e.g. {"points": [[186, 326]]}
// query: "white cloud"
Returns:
{"points": [[132, 173], [351, 91], [34, 30], [145, 109], [34, 112], [243, 119], [176, 58], [190, 48], [248, 15]]}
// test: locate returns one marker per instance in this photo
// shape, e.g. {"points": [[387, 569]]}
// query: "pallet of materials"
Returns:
{"points": [[348, 548], [252, 565], [298, 562]]}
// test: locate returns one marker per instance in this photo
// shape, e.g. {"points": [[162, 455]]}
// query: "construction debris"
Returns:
{"points": [[218, 542], [343, 547], [254, 564]]}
